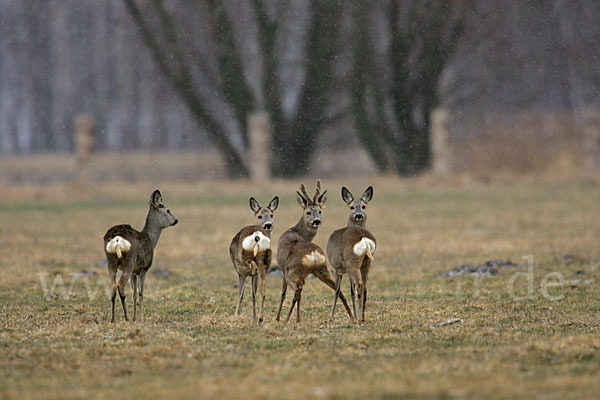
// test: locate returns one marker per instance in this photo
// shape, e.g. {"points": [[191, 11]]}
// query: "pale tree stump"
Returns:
{"points": [[259, 134], [590, 135], [440, 147], [84, 140]]}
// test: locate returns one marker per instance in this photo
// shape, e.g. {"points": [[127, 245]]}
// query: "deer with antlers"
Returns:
{"points": [[298, 256], [350, 250], [250, 253]]}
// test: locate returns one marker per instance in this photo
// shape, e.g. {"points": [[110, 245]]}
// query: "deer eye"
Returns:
{"points": [[260, 217], [319, 211], [308, 213], [363, 207], [352, 207]]}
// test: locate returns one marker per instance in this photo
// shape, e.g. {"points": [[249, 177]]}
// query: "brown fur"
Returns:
{"points": [[340, 251], [295, 245], [138, 260], [246, 263]]}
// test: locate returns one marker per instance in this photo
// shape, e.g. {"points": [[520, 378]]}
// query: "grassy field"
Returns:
{"points": [[59, 344]]}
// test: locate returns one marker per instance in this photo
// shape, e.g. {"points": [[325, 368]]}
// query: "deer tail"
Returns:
{"points": [[118, 246], [364, 246], [369, 254]]}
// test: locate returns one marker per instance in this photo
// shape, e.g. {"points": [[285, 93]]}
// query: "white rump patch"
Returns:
{"points": [[257, 239], [360, 248], [118, 246], [313, 258]]}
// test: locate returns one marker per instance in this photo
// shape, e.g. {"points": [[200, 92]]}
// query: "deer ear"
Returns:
{"points": [[274, 204], [156, 198], [254, 206], [322, 198], [346, 195], [302, 201], [367, 195]]}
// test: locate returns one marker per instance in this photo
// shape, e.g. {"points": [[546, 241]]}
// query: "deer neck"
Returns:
{"points": [[152, 229], [307, 233], [266, 233]]}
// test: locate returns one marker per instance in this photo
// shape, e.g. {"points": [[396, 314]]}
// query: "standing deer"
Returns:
{"points": [[132, 251], [350, 250], [298, 257], [250, 252]]}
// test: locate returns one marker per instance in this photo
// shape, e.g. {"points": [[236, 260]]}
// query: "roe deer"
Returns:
{"points": [[250, 252], [132, 251], [350, 250], [298, 257]]}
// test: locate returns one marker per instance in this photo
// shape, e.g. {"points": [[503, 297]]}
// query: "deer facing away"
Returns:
{"points": [[298, 257], [132, 251], [250, 253], [350, 250]]}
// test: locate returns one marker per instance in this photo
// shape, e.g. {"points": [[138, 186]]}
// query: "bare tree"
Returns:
{"points": [[395, 86], [236, 64]]}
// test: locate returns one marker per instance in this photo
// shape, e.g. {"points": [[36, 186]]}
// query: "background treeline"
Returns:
{"points": [[180, 74]]}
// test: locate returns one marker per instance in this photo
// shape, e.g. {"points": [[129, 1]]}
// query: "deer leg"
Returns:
{"points": [[297, 295], [283, 290], [134, 288], [113, 295], [242, 282], [254, 288], [262, 297], [364, 272], [142, 279], [112, 299], [325, 276], [364, 302], [299, 292], [356, 285], [120, 287], [298, 306], [345, 303], [352, 295], [338, 284], [359, 293]]}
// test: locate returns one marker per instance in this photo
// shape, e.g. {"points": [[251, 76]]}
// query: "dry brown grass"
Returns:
{"points": [[528, 142], [192, 346]]}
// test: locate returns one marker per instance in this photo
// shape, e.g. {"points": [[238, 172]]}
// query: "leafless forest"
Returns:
{"points": [[171, 75]]}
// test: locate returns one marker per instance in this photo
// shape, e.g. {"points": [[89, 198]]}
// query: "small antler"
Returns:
{"points": [[304, 193], [317, 192]]}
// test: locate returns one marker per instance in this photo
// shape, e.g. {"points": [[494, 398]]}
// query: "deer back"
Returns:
{"points": [[349, 244], [284, 246], [357, 242], [241, 250], [303, 259], [133, 246], [128, 238], [124, 244]]}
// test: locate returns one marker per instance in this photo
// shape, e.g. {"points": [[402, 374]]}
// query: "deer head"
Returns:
{"points": [[358, 207], [159, 216], [313, 207], [264, 215]]}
